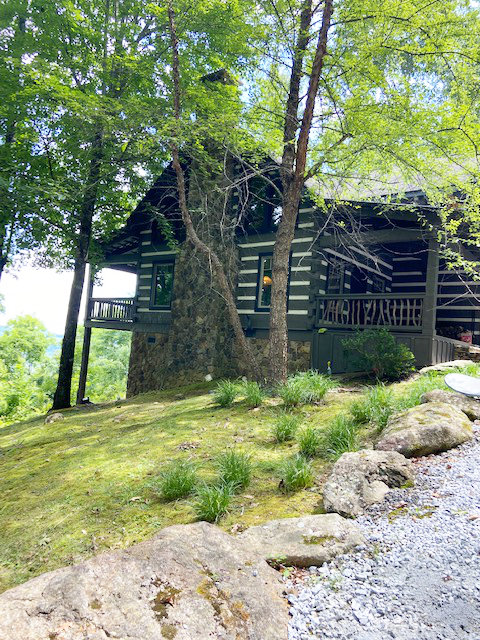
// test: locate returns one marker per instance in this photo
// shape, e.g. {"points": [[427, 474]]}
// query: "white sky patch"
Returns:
{"points": [[44, 293]]}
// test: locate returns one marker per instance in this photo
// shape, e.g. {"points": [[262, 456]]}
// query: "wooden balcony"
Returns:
{"points": [[395, 312], [111, 310]]}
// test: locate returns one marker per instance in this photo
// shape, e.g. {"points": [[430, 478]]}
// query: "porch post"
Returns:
{"points": [[87, 336], [431, 289]]}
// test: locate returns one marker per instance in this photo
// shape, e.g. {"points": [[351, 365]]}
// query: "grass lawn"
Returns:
{"points": [[73, 488]]}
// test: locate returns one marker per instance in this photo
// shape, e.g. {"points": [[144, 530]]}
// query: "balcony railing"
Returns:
{"points": [[111, 309], [370, 310]]}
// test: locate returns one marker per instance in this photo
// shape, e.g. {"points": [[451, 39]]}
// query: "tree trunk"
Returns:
{"points": [[243, 347], [293, 176], [61, 399]]}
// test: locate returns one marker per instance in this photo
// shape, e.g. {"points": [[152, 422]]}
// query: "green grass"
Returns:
{"points": [[305, 388], [253, 394], [212, 502], [340, 436], [225, 393], [83, 485], [176, 481], [375, 407], [309, 441], [235, 469], [285, 427], [297, 473]]}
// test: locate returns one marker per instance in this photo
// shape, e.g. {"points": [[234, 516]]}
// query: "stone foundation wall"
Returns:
{"points": [[149, 353], [299, 358]]}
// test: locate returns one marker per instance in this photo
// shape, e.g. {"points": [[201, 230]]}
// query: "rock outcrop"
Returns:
{"points": [[191, 581], [362, 478], [305, 541], [469, 406], [427, 428]]}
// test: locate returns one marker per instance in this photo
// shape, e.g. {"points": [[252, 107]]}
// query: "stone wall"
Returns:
{"points": [[148, 369], [467, 352]]}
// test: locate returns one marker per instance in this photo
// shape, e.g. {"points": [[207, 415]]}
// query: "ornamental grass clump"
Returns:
{"points": [[340, 436], [176, 481], [375, 407], [305, 388], [212, 501], [234, 469], [285, 427], [225, 393], [253, 394], [309, 442], [296, 473]]}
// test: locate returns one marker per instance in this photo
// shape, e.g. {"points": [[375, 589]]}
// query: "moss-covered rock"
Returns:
{"points": [[191, 581], [425, 429], [469, 406], [361, 478]]}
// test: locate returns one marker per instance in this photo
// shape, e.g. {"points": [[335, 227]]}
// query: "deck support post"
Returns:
{"points": [[429, 319], [87, 337]]}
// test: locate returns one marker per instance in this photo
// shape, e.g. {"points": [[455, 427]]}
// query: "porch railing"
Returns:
{"points": [[113, 309], [369, 310]]}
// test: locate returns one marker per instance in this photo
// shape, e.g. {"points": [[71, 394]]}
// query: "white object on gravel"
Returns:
{"points": [[418, 575]]}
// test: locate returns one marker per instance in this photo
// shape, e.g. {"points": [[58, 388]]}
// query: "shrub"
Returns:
{"points": [[285, 427], [376, 351], [253, 394], [305, 387], [309, 442], [375, 407], [297, 474], [225, 393], [176, 481], [235, 469], [212, 502], [339, 437]]}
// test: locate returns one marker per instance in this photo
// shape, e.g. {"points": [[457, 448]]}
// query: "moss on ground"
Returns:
{"points": [[82, 485]]}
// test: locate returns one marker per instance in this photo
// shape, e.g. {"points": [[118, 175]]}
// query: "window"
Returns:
{"points": [[162, 285], [264, 296], [336, 277]]}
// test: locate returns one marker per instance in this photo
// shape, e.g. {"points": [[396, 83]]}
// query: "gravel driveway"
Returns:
{"points": [[418, 575]]}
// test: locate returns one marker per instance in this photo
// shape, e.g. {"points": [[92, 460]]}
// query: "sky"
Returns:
{"points": [[44, 293]]}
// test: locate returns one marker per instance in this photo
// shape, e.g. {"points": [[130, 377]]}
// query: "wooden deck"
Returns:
{"points": [[111, 310]]}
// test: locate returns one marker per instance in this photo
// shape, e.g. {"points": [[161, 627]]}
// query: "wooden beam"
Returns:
{"points": [[383, 236], [125, 258], [431, 289], [87, 336]]}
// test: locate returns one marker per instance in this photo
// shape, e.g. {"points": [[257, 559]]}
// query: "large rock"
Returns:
{"points": [[469, 406], [362, 478], [446, 366], [303, 542], [191, 582], [427, 428]]}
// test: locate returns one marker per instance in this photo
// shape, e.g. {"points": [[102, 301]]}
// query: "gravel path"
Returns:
{"points": [[418, 575]]}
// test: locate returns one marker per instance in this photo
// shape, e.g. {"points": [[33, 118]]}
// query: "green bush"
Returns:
{"points": [[253, 394], [212, 502], [225, 393], [297, 473], [285, 427], [235, 469], [375, 407], [309, 441], [339, 437], [176, 481], [376, 351], [304, 388]]}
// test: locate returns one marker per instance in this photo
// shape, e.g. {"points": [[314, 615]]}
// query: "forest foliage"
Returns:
{"points": [[29, 363]]}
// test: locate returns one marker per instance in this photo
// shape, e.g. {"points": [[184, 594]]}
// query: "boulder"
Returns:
{"points": [[469, 406], [54, 417], [362, 478], [446, 366], [190, 581], [303, 542], [427, 428]]}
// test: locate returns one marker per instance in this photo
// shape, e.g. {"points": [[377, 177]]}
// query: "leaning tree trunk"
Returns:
{"points": [[61, 399]]}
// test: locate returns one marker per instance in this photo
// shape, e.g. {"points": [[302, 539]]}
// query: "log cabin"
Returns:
{"points": [[354, 264]]}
